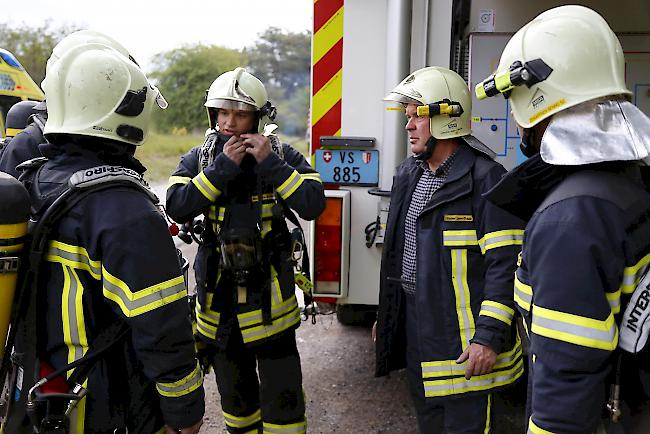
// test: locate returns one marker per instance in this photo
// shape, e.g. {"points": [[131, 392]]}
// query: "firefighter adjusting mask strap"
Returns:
{"points": [[529, 73]]}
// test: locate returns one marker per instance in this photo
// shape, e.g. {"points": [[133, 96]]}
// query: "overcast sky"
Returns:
{"points": [[147, 27]]}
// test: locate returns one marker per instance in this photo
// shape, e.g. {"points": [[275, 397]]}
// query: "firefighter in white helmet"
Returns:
{"points": [[25, 144], [110, 294], [445, 302], [583, 194], [245, 184]]}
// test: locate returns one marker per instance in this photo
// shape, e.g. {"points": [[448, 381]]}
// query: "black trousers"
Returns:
{"points": [[275, 398], [453, 415]]}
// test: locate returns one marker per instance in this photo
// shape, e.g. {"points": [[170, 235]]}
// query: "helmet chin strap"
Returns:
{"points": [[528, 143], [429, 146]]}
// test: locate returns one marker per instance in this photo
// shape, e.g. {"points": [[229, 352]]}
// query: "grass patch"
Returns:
{"points": [[162, 152]]}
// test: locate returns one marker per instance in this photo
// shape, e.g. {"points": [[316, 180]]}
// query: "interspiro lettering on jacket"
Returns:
{"points": [[637, 312]]}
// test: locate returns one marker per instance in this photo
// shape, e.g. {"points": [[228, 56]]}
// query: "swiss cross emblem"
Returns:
{"points": [[367, 156], [327, 156]]}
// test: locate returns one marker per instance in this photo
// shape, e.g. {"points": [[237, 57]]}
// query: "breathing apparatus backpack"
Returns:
{"points": [[23, 403], [634, 322]]}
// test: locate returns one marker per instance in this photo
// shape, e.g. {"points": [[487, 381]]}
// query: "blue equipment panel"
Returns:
{"points": [[348, 167]]}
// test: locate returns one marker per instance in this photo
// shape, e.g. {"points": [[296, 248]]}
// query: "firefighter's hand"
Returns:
{"points": [[235, 149], [194, 429], [481, 360], [257, 145]]}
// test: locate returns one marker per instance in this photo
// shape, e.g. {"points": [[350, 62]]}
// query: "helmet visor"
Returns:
{"points": [[401, 98], [230, 105]]}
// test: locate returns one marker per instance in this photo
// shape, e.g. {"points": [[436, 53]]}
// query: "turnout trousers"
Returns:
{"points": [[451, 415], [272, 402]]}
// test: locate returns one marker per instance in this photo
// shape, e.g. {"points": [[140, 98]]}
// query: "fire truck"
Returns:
{"points": [[360, 50]]}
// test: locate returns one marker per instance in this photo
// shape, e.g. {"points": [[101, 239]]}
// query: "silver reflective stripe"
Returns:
{"points": [[157, 296], [277, 326], [289, 186], [70, 305], [74, 257], [255, 317], [461, 294], [632, 277], [496, 310], [461, 385], [294, 428], [614, 300], [559, 330], [523, 294], [182, 387], [451, 368], [515, 238], [459, 238], [242, 421], [205, 187]]}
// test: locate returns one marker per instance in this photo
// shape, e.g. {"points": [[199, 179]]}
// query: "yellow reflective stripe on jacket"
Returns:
{"points": [[632, 275], [311, 177], [575, 329], [255, 317], [461, 290], [497, 310], [459, 238], [185, 385], [508, 237], [276, 292], [242, 422], [145, 300], [449, 368], [614, 300], [212, 213], [279, 324], [74, 257], [459, 384], [207, 320], [291, 184], [534, 429], [293, 428], [523, 294], [267, 210], [72, 315], [178, 180], [206, 188]]}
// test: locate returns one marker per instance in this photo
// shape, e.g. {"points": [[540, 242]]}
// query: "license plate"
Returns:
{"points": [[348, 167]]}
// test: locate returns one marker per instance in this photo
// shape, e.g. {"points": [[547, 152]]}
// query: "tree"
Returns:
{"points": [[281, 59], [183, 75], [32, 46]]}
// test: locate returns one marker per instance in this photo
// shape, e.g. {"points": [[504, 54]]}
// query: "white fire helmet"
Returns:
{"points": [[239, 90], [562, 58], [94, 90], [442, 95]]}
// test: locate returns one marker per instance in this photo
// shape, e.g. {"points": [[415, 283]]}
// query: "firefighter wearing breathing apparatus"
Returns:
{"points": [[587, 241], [108, 294], [445, 302], [245, 184]]}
